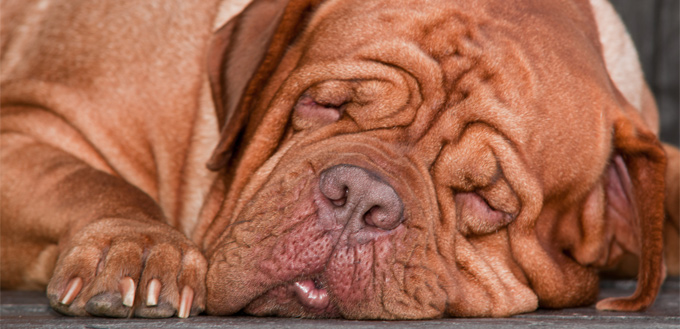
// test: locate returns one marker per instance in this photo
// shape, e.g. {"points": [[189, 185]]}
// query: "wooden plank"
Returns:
{"points": [[30, 310]]}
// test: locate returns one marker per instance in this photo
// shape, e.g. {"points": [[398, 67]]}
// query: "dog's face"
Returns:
{"points": [[416, 160]]}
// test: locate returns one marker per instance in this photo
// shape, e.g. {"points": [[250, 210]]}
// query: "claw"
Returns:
{"points": [[127, 291], [185, 301], [72, 291], [153, 291]]}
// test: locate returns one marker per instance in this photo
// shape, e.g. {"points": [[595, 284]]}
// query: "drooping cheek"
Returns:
{"points": [[298, 245], [303, 251], [359, 274], [349, 273], [471, 181]]}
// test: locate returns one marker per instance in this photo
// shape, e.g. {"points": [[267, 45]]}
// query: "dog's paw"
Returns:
{"points": [[124, 268]]}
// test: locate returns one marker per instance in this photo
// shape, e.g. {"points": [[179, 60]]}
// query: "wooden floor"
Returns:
{"points": [[30, 310]]}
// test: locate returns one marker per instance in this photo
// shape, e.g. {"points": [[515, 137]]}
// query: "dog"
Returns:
{"points": [[341, 158]]}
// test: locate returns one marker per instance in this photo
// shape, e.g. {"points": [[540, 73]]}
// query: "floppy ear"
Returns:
{"points": [[672, 225], [636, 184], [243, 55]]}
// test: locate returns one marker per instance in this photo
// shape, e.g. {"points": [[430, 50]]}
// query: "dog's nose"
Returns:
{"points": [[361, 198]]}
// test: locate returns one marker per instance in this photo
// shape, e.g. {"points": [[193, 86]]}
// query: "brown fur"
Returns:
{"points": [[107, 122]]}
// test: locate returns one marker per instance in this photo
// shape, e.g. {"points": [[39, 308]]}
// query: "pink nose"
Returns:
{"points": [[360, 197]]}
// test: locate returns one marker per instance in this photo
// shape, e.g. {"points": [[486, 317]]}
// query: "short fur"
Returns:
{"points": [[525, 155]]}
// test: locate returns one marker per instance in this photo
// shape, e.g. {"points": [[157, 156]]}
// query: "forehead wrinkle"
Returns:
{"points": [[450, 32], [477, 88], [425, 77]]}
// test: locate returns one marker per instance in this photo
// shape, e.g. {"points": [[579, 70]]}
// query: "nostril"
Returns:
{"points": [[339, 202], [374, 216], [384, 218], [334, 188]]}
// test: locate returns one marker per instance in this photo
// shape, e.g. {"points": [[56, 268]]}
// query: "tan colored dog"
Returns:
{"points": [[376, 159]]}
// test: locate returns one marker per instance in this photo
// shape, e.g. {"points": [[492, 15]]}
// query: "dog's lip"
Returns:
{"points": [[311, 296]]}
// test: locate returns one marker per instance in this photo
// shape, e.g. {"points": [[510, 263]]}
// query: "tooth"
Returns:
{"points": [[153, 291], [185, 302], [72, 291], [127, 291]]}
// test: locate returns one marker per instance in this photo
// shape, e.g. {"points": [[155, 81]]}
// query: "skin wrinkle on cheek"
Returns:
{"points": [[349, 273], [303, 247], [382, 252]]}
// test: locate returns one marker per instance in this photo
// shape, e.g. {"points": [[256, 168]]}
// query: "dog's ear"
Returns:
{"points": [[635, 190], [672, 225], [243, 55]]}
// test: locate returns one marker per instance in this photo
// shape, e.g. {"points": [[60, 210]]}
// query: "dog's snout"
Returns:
{"points": [[360, 197]]}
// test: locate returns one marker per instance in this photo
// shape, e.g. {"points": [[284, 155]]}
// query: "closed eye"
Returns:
{"points": [[309, 113]]}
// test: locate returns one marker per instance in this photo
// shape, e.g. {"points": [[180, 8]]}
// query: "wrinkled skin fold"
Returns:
{"points": [[344, 158], [451, 106]]}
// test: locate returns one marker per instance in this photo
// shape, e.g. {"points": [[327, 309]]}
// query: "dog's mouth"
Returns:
{"points": [[305, 297]]}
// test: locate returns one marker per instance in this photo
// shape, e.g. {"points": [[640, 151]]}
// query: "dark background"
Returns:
{"points": [[653, 24]]}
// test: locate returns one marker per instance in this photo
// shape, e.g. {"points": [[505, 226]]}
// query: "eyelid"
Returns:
{"points": [[309, 113], [333, 92]]}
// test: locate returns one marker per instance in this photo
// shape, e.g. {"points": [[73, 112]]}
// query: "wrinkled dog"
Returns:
{"points": [[365, 159]]}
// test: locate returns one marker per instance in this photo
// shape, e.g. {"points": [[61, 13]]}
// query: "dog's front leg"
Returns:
{"points": [[116, 256]]}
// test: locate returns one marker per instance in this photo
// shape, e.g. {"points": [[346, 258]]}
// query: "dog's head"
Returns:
{"points": [[422, 159]]}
